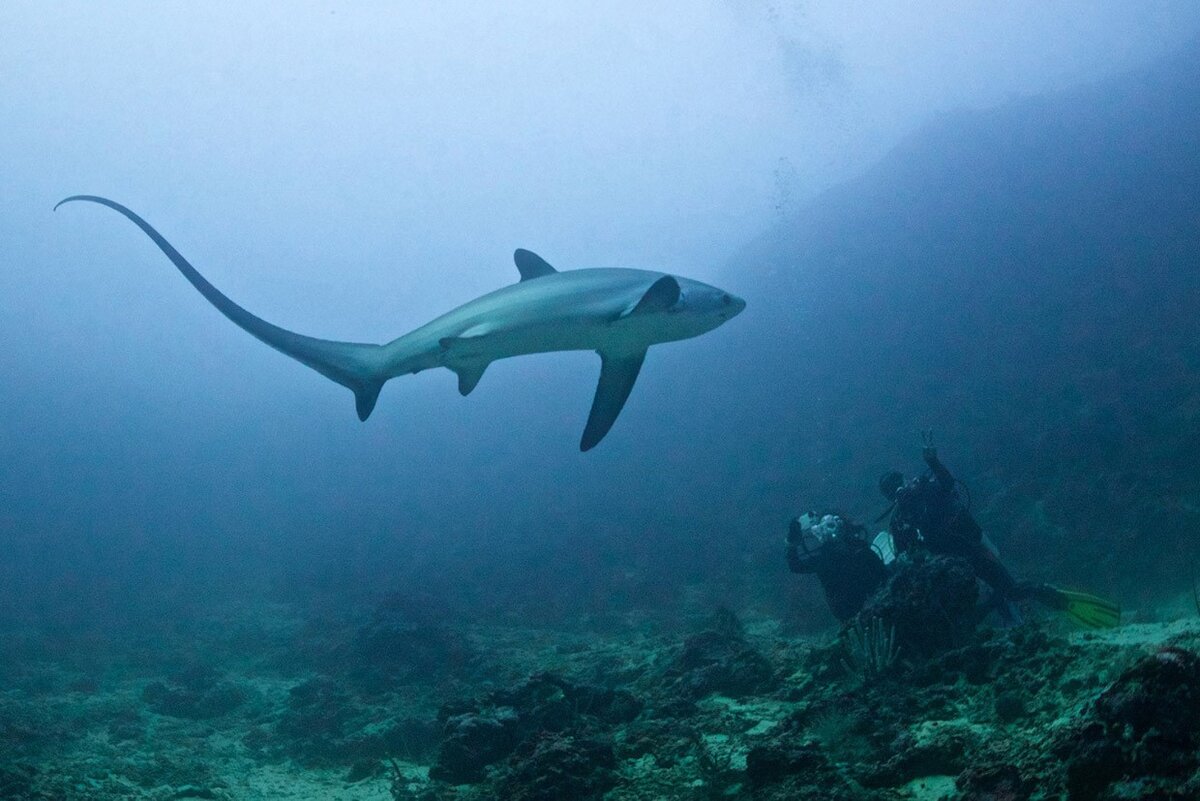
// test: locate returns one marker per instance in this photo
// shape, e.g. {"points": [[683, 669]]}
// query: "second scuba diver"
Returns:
{"points": [[926, 513], [929, 513]]}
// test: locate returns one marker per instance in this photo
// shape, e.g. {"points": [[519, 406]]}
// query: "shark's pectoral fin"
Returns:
{"points": [[662, 295], [617, 376], [468, 376], [531, 265]]}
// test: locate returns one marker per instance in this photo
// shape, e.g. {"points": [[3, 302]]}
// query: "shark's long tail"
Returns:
{"points": [[351, 364]]}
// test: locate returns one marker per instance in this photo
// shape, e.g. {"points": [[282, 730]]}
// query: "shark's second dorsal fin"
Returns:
{"points": [[531, 265]]}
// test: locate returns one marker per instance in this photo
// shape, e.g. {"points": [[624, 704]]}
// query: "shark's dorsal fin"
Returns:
{"points": [[662, 295], [531, 265], [617, 375]]}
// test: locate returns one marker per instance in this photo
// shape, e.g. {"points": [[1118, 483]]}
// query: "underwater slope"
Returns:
{"points": [[1024, 280], [1020, 279]]}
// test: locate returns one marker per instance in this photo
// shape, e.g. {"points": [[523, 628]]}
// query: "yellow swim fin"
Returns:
{"points": [[1089, 611]]}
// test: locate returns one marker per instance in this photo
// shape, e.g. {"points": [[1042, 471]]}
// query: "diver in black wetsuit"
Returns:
{"points": [[837, 551], [928, 512]]}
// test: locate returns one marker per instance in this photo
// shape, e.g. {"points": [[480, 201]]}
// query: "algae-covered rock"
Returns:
{"points": [[775, 761], [324, 725], [786, 769], [668, 741], [928, 748], [17, 780], [1009, 706], [317, 721], [400, 641], [1142, 727], [476, 734], [719, 659], [930, 602], [198, 693], [387, 652], [1158, 697], [993, 783], [472, 741], [555, 766]]}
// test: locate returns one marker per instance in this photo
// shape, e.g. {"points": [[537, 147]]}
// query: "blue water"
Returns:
{"points": [[1016, 278], [1019, 276]]}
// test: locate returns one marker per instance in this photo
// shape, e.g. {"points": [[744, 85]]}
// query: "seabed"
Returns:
{"points": [[266, 703]]}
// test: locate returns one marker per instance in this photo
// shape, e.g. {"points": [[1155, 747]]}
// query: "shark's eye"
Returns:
{"points": [[726, 300]]}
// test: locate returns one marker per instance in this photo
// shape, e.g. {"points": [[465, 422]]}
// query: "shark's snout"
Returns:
{"points": [[732, 306]]}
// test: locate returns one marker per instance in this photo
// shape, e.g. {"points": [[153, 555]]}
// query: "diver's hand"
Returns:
{"points": [[928, 451]]}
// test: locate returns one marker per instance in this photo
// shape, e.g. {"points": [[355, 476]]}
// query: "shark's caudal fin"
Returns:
{"points": [[353, 365]]}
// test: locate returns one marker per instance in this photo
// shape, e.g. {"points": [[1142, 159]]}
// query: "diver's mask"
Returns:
{"points": [[827, 528]]}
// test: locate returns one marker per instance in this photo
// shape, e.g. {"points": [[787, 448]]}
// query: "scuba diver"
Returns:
{"points": [[837, 551], [928, 512]]}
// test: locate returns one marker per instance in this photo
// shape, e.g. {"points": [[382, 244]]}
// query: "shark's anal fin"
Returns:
{"points": [[617, 376], [662, 295], [531, 265]]}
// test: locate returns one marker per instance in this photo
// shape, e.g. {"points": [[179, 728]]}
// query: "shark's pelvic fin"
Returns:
{"points": [[531, 265], [351, 364], [468, 376], [365, 397], [463, 356], [617, 376]]}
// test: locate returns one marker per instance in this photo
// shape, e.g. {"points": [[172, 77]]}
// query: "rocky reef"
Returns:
{"points": [[889, 708], [1139, 737]]}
